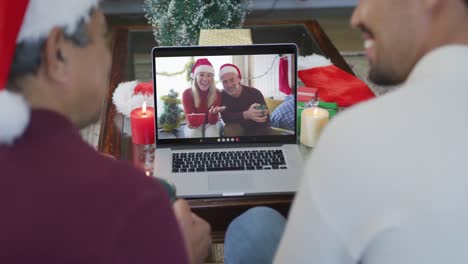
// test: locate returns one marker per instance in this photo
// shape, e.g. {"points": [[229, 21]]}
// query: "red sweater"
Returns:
{"points": [[63, 202], [189, 104]]}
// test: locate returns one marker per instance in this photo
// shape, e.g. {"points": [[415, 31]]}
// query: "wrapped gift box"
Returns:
{"points": [[220, 37], [305, 94]]}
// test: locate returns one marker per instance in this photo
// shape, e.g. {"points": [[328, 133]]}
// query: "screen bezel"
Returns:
{"points": [[257, 49]]}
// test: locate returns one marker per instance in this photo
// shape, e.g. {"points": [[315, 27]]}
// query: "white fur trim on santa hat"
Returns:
{"points": [[125, 100], [228, 69], [202, 68], [312, 61], [14, 116], [43, 15]]}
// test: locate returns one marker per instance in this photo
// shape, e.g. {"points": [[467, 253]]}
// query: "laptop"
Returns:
{"points": [[239, 159]]}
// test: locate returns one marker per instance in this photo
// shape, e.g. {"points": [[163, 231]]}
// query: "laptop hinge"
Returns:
{"points": [[255, 145]]}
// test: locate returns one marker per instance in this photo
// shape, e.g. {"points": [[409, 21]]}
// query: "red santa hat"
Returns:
{"points": [[22, 21], [130, 95], [201, 65], [332, 83], [228, 67]]}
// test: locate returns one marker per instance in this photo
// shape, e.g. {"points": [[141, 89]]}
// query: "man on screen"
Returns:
{"points": [[246, 112]]}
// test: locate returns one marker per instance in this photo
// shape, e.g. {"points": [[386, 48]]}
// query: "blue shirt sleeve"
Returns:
{"points": [[283, 115]]}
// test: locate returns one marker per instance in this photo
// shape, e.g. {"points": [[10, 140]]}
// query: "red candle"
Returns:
{"points": [[142, 122]]}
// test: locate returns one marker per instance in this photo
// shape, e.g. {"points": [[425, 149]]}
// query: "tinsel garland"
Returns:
{"points": [[186, 70], [178, 22]]}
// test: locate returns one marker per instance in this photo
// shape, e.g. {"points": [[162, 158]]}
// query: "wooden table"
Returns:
{"points": [[127, 41]]}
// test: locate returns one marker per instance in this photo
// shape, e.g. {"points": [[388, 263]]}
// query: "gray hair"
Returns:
{"points": [[28, 54]]}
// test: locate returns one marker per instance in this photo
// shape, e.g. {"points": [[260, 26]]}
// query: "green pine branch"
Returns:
{"points": [[178, 22]]}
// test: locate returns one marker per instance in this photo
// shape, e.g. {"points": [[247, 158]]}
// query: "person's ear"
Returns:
{"points": [[56, 56]]}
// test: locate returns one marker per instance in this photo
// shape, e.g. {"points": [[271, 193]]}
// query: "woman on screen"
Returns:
{"points": [[202, 102]]}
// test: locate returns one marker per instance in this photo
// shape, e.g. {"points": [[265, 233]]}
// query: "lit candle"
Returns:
{"points": [[313, 120], [142, 122]]}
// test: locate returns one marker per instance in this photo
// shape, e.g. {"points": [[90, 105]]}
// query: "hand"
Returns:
{"points": [[216, 109], [255, 115], [195, 230]]}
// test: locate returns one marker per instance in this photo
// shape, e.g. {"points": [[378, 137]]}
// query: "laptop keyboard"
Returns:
{"points": [[228, 161]]}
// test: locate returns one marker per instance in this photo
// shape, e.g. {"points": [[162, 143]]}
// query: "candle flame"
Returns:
{"points": [[315, 111], [144, 108], [148, 173]]}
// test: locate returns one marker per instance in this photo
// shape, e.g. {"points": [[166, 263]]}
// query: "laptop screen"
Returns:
{"points": [[225, 95]]}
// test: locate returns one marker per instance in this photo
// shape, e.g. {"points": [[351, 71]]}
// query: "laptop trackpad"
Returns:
{"points": [[232, 182]]}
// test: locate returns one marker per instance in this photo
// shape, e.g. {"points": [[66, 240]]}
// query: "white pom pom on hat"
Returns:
{"points": [[14, 116], [312, 61], [29, 20]]}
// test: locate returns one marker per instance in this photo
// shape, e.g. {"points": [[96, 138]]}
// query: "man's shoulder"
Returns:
{"points": [[370, 116], [74, 161], [357, 134], [79, 169], [124, 185], [251, 92], [103, 172], [251, 89], [122, 175]]}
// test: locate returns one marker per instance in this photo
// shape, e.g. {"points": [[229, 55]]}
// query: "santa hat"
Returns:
{"points": [[130, 95], [22, 21], [228, 67], [201, 65]]}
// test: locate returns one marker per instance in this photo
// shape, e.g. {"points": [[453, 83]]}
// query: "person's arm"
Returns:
{"points": [[283, 115], [187, 102], [214, 118], [232, 117], [324, 221], [258, 96], [148, 233], [195, 230], [252, 114], [307, 237], [261, 100]]}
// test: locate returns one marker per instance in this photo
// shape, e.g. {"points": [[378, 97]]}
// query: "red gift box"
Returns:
{"points": [[305, 94]]}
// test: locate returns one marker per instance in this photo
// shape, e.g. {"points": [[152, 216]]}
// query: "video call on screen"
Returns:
{"points": [[262, 76]]}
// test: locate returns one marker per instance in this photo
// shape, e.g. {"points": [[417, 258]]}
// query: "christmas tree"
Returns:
{"points": [[171, 117], [178, 22]]}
